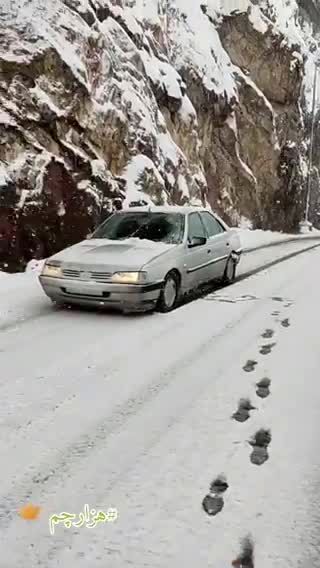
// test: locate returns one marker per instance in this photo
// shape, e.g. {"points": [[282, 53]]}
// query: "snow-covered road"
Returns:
{"points": [[134, 412]]}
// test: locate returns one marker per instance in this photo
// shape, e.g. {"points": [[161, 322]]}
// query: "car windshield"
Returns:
{"points": [[157, 227]]}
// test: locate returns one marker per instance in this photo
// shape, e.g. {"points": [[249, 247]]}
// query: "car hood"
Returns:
{"points": [[125, 254]]}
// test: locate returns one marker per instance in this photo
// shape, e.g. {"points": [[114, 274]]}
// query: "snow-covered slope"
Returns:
{"points": [[168, 100]]}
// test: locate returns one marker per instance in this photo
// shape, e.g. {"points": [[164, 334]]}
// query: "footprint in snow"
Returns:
{"points": [[213, 503], [243, 412], [268, 334], [219, 485], [250, 366], [246, 556], [263, 388], [260, 443], [285, 322], [266, 349]]}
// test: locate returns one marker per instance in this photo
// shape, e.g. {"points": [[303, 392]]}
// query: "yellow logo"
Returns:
{"points": [[89, 518]]}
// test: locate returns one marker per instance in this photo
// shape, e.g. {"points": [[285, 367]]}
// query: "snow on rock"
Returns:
{"points": [[187, 111], [3, 175], [196, 43], [141, 171], [6, 118], [172, 101]]}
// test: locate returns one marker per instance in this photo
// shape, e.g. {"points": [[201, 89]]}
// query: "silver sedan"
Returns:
{"points": [[144, 258]]}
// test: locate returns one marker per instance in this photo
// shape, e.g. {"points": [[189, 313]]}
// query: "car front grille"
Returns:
{"points": [[101, 276], [68, 273], [77, 274]]}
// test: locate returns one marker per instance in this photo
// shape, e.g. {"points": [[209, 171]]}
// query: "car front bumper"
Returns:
{"points": [[135, 297]]}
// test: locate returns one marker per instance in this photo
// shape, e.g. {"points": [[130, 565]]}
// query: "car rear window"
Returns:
{"points": [[157, 227]]}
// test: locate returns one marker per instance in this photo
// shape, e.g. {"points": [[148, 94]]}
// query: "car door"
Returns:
{"points": [[198, 257], [219, 244]]}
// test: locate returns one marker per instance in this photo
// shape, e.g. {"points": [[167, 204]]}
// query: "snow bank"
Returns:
{"points": [[251, 239], [4, 275], [35, 266]]}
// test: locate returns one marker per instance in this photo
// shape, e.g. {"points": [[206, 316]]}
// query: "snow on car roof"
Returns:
{"points": [[163, 209]]}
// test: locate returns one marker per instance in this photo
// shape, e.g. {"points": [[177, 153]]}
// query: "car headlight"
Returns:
{"points": [[53, 270], [129, 277]]}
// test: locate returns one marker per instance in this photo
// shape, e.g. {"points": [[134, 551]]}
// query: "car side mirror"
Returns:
{"points": [[197, 242]]}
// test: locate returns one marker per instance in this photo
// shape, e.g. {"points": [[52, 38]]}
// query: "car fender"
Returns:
{"points": [[158, 267]]}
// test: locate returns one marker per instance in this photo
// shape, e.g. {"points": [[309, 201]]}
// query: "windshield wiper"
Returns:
{"points": [[139, 229]]}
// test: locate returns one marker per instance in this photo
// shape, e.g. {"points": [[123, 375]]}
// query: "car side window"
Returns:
{"points": [[195, 227], [212, 225]]}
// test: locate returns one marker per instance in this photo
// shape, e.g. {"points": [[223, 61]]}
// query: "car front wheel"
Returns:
{"points": [[169, 294], [60, 305]]}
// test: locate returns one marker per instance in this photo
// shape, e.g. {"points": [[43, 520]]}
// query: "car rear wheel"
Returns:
{"points": [[230, 272], [169, 294]]}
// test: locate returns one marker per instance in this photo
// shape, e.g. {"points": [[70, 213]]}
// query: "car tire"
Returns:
{"points": [[229, 275], [59, 305], [169, 295]]}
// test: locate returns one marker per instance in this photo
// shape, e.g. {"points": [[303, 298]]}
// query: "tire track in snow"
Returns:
{"points": [[101, 430], [48, 311], [272, 263], [48, 394]]}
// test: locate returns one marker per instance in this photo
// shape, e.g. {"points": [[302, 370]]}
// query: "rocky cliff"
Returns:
{"points": [[173, 101]]}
